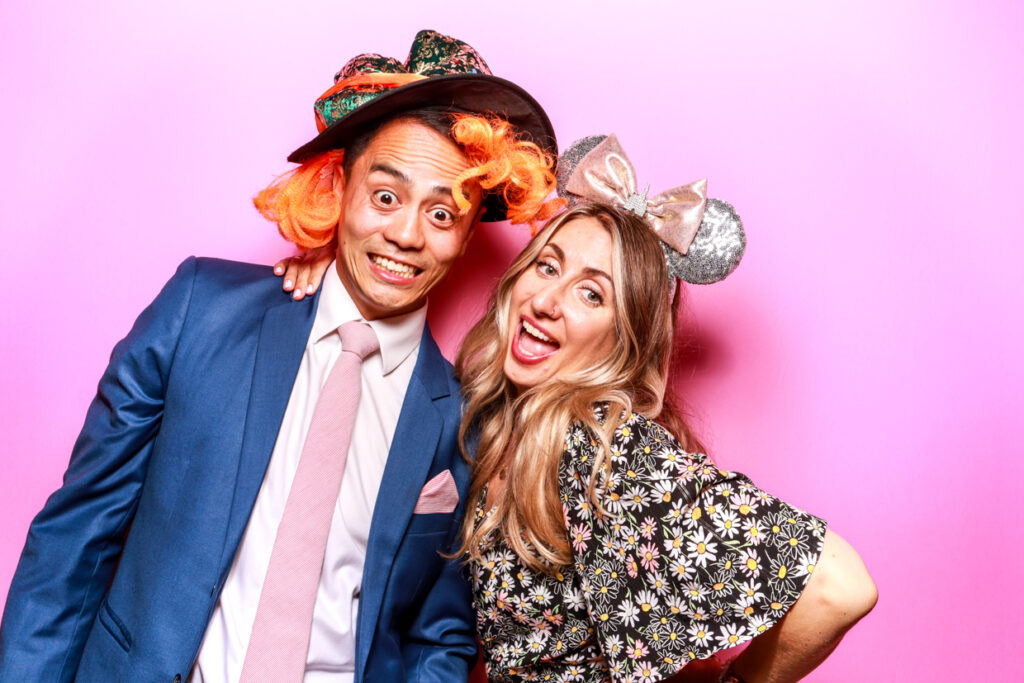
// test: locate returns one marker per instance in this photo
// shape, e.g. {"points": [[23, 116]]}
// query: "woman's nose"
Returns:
{"points": [[546, 300]]}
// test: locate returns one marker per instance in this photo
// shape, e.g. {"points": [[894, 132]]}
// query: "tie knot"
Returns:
{"points": [[358, 338]]}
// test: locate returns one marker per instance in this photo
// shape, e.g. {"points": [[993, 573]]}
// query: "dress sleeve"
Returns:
{"points": [[680, 559]]}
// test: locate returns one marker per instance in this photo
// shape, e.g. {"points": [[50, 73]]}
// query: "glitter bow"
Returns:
{"points": [[606, 176]]}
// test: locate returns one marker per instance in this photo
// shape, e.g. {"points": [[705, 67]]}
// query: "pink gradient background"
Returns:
{"points": [[862, 363]]}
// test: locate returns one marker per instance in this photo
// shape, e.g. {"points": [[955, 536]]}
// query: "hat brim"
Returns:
{"points": [[469, 93]]}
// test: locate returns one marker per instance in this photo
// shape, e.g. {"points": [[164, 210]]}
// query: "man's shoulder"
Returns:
{"points": [[218, 272], [212, 290], [216, 277]]}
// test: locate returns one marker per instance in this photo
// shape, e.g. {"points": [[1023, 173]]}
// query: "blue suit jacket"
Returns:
{"points": [[125, 563]]}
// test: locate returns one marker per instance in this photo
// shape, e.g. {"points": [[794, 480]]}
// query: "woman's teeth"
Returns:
{"points": [[532, 345], [533, 331], [394, 266]]}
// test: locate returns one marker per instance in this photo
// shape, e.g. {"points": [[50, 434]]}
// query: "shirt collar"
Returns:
{"points": [[399, 335]]}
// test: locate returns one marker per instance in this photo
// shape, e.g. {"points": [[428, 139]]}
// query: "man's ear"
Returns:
{"points": [[339, 180], [472, 229]]}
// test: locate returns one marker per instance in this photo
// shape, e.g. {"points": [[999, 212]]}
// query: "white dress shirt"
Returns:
{"points": [[385, 378]]}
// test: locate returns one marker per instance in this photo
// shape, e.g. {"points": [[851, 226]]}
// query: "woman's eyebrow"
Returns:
{"points": [[593, 272], [597, 272]]}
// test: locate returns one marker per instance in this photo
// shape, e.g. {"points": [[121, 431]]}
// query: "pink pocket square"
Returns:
{"points": [[438, 495]]}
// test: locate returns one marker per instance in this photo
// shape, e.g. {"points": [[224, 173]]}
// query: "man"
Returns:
{"points": [[198, 533]]}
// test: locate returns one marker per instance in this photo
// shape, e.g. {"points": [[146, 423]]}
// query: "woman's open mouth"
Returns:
{"points": [[532, 343], [393, 271]]}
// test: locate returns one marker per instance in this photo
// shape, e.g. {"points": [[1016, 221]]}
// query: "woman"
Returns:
{"points": [[602, 544]]}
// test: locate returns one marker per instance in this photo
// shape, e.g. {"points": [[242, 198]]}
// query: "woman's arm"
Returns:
{"points": [[710, 562], [838, 594]]}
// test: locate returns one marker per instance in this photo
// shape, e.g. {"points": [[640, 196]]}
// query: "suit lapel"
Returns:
{"points": [[412, 450], [282, 340]]}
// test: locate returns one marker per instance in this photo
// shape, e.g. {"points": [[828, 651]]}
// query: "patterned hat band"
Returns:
{"points": [[350, 93]]}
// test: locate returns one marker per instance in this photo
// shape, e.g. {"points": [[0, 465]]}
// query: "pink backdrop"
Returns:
{"points": [[863, 361]]}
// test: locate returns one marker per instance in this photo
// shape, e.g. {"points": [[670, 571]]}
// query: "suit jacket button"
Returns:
{"points": [[177, 678]]}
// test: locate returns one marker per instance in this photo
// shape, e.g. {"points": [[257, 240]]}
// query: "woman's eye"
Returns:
{"points": [[592, 296], [545, 268], [385, 197]]}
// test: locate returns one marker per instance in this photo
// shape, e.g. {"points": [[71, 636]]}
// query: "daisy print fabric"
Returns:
{"points": [[684, 560]]}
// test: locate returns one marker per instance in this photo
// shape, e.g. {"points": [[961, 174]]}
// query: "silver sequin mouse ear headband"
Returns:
{"points": [[702, 237]]}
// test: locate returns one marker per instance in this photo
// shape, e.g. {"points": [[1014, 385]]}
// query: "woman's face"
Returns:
{"points": [[562, 309]]}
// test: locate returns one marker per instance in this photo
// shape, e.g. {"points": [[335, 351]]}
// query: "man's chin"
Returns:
{"points": [[386, 305]]}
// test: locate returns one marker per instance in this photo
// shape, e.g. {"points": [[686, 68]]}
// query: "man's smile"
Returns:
{"points": [[392, 270]]}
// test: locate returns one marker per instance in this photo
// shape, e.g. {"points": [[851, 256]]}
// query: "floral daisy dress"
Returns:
{"points": [[691, 560]]}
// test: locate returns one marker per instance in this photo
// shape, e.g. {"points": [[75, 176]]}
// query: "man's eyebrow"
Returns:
{"points": [[593, 272], [391, 171], [438, 190]]}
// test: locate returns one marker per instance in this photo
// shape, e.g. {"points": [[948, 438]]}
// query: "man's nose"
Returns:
{"points": [[405, 230]]}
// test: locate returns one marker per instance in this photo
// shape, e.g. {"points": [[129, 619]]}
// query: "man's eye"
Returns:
{"points": [[385, 197], [442, 216]]}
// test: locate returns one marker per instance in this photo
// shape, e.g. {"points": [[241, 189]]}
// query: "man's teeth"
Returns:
{"points": [[394, 266], [533, 331]]}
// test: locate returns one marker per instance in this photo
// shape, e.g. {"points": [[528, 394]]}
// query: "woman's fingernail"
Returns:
{"points": [[297, 295], [309, 289], [288, 284], [278, 270]]}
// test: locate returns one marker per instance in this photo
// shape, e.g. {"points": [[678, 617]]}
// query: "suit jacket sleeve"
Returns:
{"points": [[442, 638], [74, 542]]}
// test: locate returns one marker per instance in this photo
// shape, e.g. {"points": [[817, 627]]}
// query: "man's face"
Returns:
{"points": [[400, 230]]}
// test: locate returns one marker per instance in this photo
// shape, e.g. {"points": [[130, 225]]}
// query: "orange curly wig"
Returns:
{"points": [[307, 210]]}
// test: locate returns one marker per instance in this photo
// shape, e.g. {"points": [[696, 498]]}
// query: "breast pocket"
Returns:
{"points": [[435, 523]]}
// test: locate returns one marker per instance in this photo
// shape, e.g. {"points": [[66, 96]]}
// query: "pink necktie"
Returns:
{"points": [[280, 635]]}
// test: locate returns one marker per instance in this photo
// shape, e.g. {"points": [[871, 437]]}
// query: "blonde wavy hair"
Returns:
{"points": [[521, 436]]}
